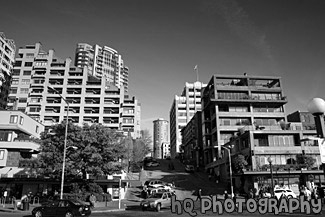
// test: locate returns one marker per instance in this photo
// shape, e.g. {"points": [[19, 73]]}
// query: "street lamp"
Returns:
{"points": [[269, 159], [230, 171], [317, 107], [65, 141]]}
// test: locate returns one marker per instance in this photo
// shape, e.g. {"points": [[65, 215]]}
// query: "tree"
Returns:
{"points": [[141, 147], [239, 163], [305, 160], [99, 150]]}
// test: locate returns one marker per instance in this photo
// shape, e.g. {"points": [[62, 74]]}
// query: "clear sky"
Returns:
{"points": [[162, 40]]}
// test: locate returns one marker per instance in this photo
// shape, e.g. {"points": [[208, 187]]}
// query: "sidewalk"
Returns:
{"points": [[112, 206]]}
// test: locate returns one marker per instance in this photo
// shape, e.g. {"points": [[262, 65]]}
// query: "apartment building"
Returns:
{"points": [[16, 132], [283, 147], [7, 59], [161, 147], [192, 140], [306, 118], [230, 102], [103, 62], [182, 110], [44, 86]]}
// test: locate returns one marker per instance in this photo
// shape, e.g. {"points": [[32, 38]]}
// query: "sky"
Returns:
{"points": [[161, 41]]}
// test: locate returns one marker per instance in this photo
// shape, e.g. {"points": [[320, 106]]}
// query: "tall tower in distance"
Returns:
{"points": [[103, 62], [161, 148]]}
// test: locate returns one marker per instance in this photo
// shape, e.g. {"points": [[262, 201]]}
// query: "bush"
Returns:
{"points": [[85, 196]]}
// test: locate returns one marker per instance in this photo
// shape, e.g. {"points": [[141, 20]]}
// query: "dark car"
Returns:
{"points": [[66, 208]]}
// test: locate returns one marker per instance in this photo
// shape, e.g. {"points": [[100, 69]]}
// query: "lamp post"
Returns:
{"points": [[230, 171], [65, 141], [269, 159], [317, 107]]}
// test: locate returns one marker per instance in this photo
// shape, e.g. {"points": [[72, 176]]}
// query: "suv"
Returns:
{"points": [[157, 201]]}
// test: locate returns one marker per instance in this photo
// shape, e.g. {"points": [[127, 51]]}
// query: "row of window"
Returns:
{"points": [[14, 120], [27, 64], [275, 140]]}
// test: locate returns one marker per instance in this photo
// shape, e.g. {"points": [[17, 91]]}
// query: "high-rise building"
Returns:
{"points": [[103, 62], [183, 109], [160, 139], [40, 77], [7, 59], [232, 103]]}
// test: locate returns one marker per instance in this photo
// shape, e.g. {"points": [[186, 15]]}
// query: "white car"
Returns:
{"points": [[152, 164], [163, 186], [286, 191]]}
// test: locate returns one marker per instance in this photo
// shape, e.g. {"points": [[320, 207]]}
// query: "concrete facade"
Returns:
{"points": [[231, 102], [7, 59], [91, 100], [192, 140], [16, 132], [103, 62], [161, 148], [182, 110]]}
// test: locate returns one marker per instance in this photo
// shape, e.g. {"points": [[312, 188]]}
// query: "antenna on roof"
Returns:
{"points": [[196, 69]]}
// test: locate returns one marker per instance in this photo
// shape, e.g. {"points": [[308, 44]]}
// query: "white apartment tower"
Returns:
{"points": [[103, 62], [91, 99], [7, 59], [183, 109], [160, 139]]}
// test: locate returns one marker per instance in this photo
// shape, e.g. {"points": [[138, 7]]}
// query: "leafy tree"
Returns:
{"points": [[98, 152], [305, 160], [140, 148], [239, 162]]}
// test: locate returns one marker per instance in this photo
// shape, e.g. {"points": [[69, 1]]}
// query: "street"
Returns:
{"points": [[163, 213], [186, 185]]}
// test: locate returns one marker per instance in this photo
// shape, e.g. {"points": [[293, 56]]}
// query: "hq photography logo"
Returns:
{"points": [[262, 206]]}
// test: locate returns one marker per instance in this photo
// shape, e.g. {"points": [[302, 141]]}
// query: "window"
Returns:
{"points": [[16, 72], [21, 120], [37, 129], [15, 81], [28, 64], [13, 119], [13, 90], [18, 63], [25, 81], [22, 109], [24, 90], [2, 154], [22, 100], [27, 72]]}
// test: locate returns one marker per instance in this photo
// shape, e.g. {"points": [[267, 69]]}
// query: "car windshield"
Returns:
{"points": [[157, 195], [77, 202]]}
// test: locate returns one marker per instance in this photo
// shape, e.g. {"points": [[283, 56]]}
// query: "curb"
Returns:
{"points": [[109, 210]]}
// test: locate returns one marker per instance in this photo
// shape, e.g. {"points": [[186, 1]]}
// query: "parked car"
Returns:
{"points": [[286, 191], [66, 208], [158, 190], [156, 183], [189, 168], [153, 164], [157, 201]]}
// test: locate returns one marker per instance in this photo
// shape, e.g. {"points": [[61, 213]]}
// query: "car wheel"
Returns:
{"points": [[158, 208], [289, 196], [38, 214], [68, 214]]}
